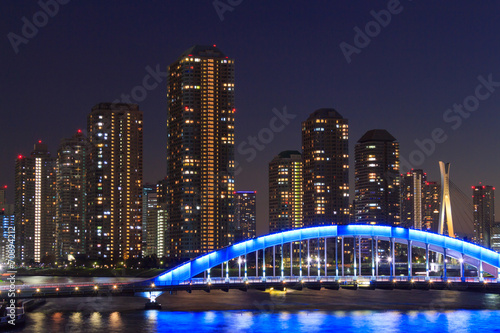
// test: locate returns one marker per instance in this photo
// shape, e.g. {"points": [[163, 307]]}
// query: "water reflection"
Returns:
{"points": [[244, 321]]}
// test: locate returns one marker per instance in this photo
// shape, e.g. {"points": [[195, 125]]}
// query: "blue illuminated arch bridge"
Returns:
{"points": [[332, 257], [317, 254]]}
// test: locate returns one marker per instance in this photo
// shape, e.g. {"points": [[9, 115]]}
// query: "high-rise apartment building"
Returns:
{"points": [[483, 200], [161, 218], [431, 205], [377, 179], [71, 185], [114, 196], [35, 205], [325, 168], [150, 214], [412, 196], [285, 191], [245, 217], [7, 231], [200, 152], [147, 203]]}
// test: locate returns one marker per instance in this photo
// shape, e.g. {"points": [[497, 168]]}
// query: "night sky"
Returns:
{"points": [[287, 54]]}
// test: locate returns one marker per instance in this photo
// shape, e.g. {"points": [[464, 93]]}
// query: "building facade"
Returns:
{"points": [[377, 187], [35, 206], [483, 200], [245, 216], [200, 152], [115, 133], [285, 191], [325, 168], [432, 205], [7, 227], [412, 198], [148, 204], [71, 186]]}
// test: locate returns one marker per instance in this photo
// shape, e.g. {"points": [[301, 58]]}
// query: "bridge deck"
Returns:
{"points": [[256, 283]]}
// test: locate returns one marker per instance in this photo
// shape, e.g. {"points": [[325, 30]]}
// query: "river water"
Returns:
{"points": [[273, 311]]}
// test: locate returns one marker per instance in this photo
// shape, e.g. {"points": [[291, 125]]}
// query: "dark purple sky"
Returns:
{"points": [[287, 54]]}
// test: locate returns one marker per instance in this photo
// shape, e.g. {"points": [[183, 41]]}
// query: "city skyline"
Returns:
{"points": [[412, 115]]}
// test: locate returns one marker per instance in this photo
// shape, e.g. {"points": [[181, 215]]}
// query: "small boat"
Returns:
{"points": [[154, 305]]}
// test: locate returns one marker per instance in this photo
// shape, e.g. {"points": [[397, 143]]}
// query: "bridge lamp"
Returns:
{"points": [[18, 291], [57, 289], [394, 281], [114, 287], [412, 281], [37, 290], [389, 259], [96, 287], [152, 285], [449, 281], [308, 259], [461, 260], [76, 288], [485, 282], [378, 259], [239, 261]]}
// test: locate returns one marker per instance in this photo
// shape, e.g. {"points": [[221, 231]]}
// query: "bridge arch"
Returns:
{"points": [[485, 259]]}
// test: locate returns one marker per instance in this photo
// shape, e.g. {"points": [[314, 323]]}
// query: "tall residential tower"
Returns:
{"points": [[376, 178], [35, 205], [483, 198], [71, 209], [325, 168], [285, 191], [200, 152], [115, 182]]}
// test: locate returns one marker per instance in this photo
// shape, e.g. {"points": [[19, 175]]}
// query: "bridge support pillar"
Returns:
{"points": [[376, 257], [274, 261], [264, 264], [393, 258], [246, 267], [427, 261], [359, 254], [308, 260], [239, 267], [342, 254], [444, 264], [326, 267], [462, 268], [373, 259], [355, 257], [336, 258], [300, 259], [410, 260], [282, 262], [480, 271], [257, 263]]}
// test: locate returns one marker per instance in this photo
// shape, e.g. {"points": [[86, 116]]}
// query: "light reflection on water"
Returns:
{"points": [[255, 321]]}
